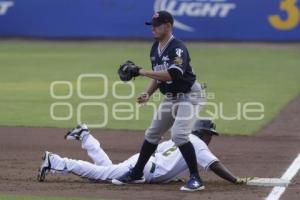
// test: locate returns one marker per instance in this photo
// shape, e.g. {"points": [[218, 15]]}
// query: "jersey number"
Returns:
{"points": [[169, 151], [293, 16]]}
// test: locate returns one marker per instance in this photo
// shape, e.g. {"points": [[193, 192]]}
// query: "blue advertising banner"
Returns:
{"points": [[267, 20]]}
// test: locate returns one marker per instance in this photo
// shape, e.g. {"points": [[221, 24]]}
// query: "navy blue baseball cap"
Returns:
{"points": [[161, 17]]}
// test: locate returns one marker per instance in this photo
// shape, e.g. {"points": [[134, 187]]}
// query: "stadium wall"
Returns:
{"points": [[246, 20]]}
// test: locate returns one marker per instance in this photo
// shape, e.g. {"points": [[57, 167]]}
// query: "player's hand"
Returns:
{"points": [[243, 180], [143, 98], [142, 72]]}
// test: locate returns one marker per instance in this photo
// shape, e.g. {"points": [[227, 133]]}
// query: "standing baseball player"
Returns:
{"points": [[172, 74]]}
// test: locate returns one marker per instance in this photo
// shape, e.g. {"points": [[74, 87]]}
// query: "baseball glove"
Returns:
{"points": [[128, 70]]}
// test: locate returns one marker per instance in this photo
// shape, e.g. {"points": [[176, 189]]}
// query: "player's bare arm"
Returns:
{"points": [[157, 75], [150, 89], [219, 169]]}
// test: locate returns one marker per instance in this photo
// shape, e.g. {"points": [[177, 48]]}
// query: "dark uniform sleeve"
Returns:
{"points": [[179, 60]]}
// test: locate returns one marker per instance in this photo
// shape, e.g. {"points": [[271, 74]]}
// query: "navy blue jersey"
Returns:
{"points": [[174, 58]]}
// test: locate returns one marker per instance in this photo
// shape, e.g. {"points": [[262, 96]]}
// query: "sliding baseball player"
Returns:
{"points": [[164, 166]]}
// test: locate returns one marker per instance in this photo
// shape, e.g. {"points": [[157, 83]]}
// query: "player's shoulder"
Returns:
{"points": [[177, 43], [177, 46]]}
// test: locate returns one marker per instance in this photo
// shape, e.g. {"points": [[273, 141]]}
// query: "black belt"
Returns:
{"points": [[152, 167]]}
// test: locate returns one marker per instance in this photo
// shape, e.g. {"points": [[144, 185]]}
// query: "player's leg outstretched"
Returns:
{"points": [[77, 133], [55, 164], [90, 144]]}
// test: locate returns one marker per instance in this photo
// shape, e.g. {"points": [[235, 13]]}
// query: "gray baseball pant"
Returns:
{"points": [[176, 113]]}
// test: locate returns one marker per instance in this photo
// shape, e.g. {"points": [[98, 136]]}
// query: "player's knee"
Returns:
{"points": [[153, 140], [179, 141], [179, 137], [152, 136]]}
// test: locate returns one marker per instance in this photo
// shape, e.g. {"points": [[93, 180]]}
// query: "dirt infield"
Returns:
{"points": [[267, 154]]}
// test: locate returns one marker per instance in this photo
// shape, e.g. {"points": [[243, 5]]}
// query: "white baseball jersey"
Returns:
{"points": [[166, 164], [170, 163]]}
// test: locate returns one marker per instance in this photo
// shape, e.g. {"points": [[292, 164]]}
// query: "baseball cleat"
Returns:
{"points": [[194, 184], [45, 167], [128, 179], [77, 133]]}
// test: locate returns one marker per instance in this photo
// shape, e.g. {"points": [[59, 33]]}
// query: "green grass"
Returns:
{"points": [[18, 197], [233, 74]]}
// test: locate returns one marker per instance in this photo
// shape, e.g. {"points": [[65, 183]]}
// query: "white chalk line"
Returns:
{"points": [[277, 191]]}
